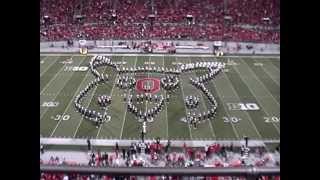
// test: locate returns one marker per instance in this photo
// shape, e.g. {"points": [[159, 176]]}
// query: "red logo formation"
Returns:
{"points": [[148, 85]]}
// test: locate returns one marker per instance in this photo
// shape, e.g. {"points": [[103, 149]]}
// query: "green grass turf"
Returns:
{"points": [[246, 82]]}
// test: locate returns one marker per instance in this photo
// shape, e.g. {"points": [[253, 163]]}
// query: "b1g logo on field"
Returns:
{"points": [[243, 106], [148, 85], [76, 68]]}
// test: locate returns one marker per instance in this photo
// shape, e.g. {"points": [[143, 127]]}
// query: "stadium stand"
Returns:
{"points": [[59, 20], [162, 155]]}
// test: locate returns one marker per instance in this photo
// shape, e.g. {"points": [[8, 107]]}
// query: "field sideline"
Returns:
{"points": [[244, 80]]}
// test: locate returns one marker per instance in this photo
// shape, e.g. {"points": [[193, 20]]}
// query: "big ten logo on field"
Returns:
{"points": [[243, 106], [76, 68], [148, 85]]}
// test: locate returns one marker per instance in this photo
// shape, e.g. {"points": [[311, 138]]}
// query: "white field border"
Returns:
{"points": [[273, 57], [174, 143]]}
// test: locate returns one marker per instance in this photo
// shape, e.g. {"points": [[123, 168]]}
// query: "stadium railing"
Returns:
{"points": [[248, 172]]}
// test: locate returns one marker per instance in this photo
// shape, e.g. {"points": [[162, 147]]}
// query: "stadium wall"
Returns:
{"points": [[105, 47]]}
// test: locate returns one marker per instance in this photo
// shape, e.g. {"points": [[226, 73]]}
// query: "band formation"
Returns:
{"points": [[170, 82]]}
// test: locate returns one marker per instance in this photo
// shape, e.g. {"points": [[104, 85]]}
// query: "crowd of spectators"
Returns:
{"points": [[156, 154], [102, 32], [213, 11], [96, 10], [59, 11], [253, 11], [128, 19], [175, 11]]}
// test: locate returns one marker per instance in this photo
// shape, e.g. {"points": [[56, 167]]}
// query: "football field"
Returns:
{"points": [[247, 92]]}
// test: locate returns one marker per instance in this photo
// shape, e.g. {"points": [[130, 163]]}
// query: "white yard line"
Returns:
{"points": [[268, 73], [246, 113], [114, 83], [225, 109], [105, 109], [93, 93], [261, 83], [70, 102], [271, 77], [204, 105], [263, 107], [275, 67], [185, 107], [125, 114], [165, 95], [54, 77], [42, 61], [148, 83], [53, 62], [124, 120], [56, 95]]}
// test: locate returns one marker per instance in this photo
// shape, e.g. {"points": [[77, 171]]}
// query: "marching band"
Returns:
{"points": [[169, 82]]}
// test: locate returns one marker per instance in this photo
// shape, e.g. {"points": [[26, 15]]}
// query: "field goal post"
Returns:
{"points": [[83, 47], [217, 48]]}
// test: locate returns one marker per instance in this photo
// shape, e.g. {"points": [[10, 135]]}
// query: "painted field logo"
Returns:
{"points": [[148, 85], [243, 106]]}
